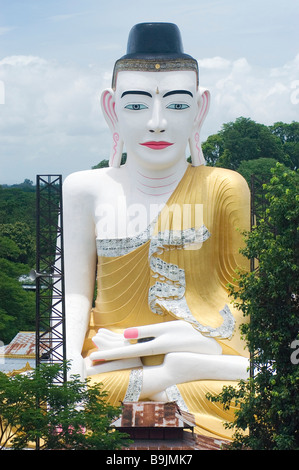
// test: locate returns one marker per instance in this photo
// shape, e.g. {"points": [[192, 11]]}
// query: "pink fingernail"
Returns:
{"points": [[131, 333]]}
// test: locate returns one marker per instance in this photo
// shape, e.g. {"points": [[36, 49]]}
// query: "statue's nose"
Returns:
{"points": [[157, 122]]}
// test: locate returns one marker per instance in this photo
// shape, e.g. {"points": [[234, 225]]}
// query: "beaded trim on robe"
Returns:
{"points": [[113, 247], [135, 387], [168, 292]]}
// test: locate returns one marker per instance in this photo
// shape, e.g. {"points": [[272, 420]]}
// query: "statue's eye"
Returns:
{"points": [[178, 106], [136, 107]]}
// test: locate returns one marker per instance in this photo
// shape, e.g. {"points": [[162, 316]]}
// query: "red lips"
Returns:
{"points": [[157, 145]]}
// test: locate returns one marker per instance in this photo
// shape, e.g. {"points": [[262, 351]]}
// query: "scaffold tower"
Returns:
{"points": [[49, 274]]}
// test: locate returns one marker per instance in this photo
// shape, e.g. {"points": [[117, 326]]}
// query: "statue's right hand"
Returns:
{"points": [[160, 338], [94, 367]]}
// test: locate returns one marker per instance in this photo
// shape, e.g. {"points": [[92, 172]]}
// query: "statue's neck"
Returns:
{"points": [[156, 183]]}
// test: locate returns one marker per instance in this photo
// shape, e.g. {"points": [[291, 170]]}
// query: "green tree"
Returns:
{"points": [[101, 164], [269, 401], [260, 167], [213, 148], [289, 137], [17, 306], [74, 415], [245, 140], [20, 234], [17, 257], [105, 163], [8, 248], [18, 204]]}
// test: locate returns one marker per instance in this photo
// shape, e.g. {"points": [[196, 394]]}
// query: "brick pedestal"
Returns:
{"points": [[162, 426]]}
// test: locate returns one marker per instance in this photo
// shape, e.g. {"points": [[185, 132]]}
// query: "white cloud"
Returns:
{"points": [[51, 121], [22, 60], [241, 89], [214, 63]]}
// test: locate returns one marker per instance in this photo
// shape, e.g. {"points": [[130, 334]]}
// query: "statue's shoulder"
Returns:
{"points": [[223, 176], [88, 181]]}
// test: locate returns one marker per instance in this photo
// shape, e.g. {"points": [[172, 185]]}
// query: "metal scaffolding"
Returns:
{"points": [[49, 274]]}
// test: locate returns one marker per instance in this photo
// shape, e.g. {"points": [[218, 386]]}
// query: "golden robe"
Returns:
{"points": [[180, 271]]}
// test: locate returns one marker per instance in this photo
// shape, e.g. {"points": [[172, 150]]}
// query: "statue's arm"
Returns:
{"points": [[80, 265], [234, 220]]}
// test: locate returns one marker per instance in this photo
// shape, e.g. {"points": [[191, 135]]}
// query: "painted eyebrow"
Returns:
{"points": [[178, 92], [137, 92]]}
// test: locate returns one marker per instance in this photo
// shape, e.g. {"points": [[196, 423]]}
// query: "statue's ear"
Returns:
{"points": [[108, 109], [203, 101]]}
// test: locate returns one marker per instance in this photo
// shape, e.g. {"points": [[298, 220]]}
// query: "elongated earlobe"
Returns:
{"points": [[108, 108], [197, 157]]}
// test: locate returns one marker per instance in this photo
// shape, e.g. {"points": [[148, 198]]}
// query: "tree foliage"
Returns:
{"points": [[17, 258], [17, 305], [269, 401], [74, 415], [260, 167], [17, 204], [289, 137], [245, 140], [105, 163], [20, 235]]}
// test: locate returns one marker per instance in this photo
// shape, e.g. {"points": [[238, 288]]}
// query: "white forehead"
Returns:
{"points": [[150, 81]]}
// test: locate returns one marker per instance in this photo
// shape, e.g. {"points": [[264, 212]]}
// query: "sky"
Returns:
{"points": [[56, 57]]}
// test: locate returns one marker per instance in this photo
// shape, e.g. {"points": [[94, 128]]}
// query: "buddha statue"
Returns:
{"points": [[158, 240]]}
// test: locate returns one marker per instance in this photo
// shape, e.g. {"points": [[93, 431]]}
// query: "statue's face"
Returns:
{"points": [[156, 112]]}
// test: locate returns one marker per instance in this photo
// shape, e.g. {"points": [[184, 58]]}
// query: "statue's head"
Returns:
{"points": [[155, 105]]}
